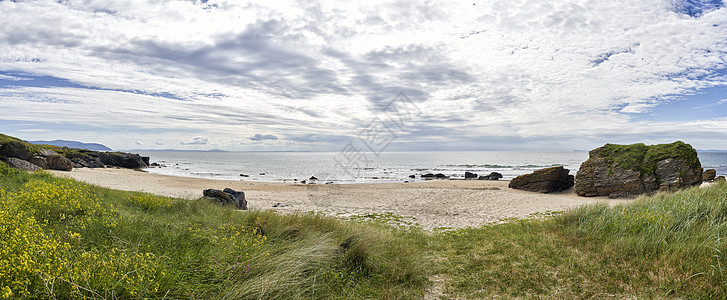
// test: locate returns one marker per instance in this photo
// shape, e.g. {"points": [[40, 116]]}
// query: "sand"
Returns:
{"points": [[433, 204]]}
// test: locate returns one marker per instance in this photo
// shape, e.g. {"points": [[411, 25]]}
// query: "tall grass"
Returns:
{"points": [[65, 239], [661, 246]]}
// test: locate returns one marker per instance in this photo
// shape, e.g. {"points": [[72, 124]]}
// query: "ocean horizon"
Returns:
{"points": [[339, 167]]}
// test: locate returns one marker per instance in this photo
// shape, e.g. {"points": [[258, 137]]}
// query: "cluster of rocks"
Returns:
{"points": [[227, 196], [624, 171], [19, 155]]}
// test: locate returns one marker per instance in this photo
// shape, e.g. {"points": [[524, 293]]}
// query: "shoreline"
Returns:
{"points": [[433, 203]]}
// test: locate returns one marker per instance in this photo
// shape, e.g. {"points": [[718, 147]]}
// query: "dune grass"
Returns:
{"points": [[670, 245], [63, 239]]}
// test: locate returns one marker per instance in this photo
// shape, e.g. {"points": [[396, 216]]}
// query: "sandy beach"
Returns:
{"points": [[437, 203]]}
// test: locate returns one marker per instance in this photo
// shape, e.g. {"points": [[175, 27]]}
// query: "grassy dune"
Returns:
{"points": [[63, 239]]}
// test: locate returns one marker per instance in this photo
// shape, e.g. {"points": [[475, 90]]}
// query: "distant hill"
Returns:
{"points": [[73, 144]]}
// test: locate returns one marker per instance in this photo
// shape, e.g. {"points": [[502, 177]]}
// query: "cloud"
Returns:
{"points": [[138, 143], [263, 137], [197, 140], [322, 70]]}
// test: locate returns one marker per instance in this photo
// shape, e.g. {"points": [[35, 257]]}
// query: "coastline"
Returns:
{"points": [[433, 204]]}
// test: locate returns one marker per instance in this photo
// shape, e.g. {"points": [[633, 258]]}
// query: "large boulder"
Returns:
{"points": [[22, 164], [57, 162], [709, 175], [631, 170], [226, 197], [15, 149], [124, 160], [546, 180]]}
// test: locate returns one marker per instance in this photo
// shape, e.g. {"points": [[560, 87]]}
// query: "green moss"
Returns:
{"points": [[642, 158]]}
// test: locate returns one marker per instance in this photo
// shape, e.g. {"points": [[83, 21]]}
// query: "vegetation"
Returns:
{"points": [[642, 158], [63, 239]]}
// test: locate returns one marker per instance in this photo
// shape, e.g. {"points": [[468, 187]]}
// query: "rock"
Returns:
{"points": [[312, 178], [57, 162], [145, 159], [412, 176], [492, 176], [39, 161], [47, 152], [709, 175], [631, 170], [15, 149], [22, 164], [428, 175], [440, 176], [244, 175], [469, 175], [226, 197], [719, 179], [120, 159], [548, 180]]}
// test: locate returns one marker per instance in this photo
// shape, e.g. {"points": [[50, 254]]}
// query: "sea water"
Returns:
{"points": [[385, 167]]}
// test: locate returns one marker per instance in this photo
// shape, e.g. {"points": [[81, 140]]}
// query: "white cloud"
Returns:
{"points": [[324, 68], [197, 140]]}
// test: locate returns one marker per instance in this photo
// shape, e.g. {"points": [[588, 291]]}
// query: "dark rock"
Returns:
{"points": [[244, 175], [280, 205], [546, 180], [22, 164], [440, 176], [263, 174], [469, 175], [312, 178], [39, 161], [226, 197], [412, 176], [15, 149], [79, 163], [428, 175], [709, 175], [719, 179], [631, 170], [492, 176], [124, 160], [145, 159], [57, 162]]}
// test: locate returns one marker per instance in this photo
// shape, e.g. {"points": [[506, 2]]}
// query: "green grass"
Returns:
{"points": [[60, 238]]}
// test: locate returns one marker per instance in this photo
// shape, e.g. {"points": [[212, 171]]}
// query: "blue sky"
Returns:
{"points": [[311, 75]]}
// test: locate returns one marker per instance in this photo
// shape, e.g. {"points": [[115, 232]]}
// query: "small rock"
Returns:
{"points": [[428, 175], [470, 175], [412, 176], [226, 197], [312, 178], [440, 176], [708, 175], [244, 175]]}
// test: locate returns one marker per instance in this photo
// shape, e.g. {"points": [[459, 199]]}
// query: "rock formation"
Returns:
{"points": [[64, 159], [631, 170], [548, 180], [470, 175], [226, 197]]}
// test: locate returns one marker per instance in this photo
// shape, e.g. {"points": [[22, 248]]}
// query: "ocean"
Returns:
{"points": [[341, 167]]}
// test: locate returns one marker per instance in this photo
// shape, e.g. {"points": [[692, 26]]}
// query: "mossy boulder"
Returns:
{"points": [[631, 170]]}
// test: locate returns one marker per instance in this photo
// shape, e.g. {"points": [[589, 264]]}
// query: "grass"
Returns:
{"points": [[63, 239]]}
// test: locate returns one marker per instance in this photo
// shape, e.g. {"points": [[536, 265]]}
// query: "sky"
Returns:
{"points": [[313, 75]]}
